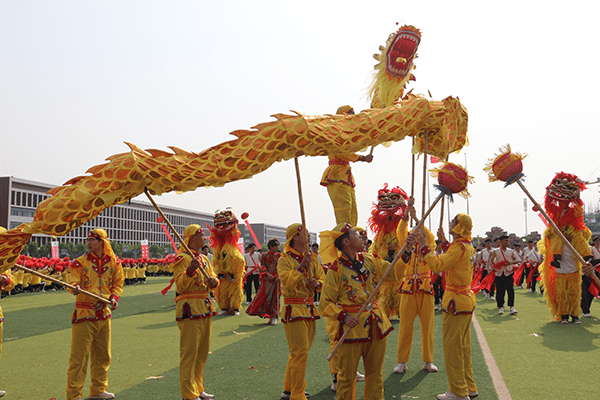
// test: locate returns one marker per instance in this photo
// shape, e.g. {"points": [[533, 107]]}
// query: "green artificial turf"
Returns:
{"points": [[539, 358], [248, 358]]}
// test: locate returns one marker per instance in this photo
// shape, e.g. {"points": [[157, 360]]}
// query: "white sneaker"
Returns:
{"points": [[451, 396], [236, 312], [2, 393], [247, 302], [472, 395], [492, 298], [206, 396], [513, 311], [501, 310], [103, 395], [334, 386], [273, 321], [437, 307], [359, 377], [430, 367], [486, 295], [587, 315], [223, 312], [400, 368]]}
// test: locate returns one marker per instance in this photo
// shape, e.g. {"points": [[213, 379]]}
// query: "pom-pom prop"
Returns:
{"points": [[507, 167], [457, 185], [245, 216]]}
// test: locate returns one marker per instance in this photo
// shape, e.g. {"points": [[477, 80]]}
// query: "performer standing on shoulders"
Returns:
{"points": [[350, 280], [100, 273], [301, 274], [193, 312], [340, 183], [458, 305]]}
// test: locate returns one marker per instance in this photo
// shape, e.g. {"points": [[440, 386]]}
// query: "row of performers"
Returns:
{"points": [[353, 275]]}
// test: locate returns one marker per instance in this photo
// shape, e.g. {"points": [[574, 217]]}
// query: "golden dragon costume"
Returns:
{"points": [[125, 175]]}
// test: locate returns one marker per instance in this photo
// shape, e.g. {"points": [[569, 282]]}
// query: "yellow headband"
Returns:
{"points": [[463, 226]]}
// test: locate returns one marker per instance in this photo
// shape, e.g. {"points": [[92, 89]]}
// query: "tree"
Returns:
{"points": [[155, 251], [80, 249], [31, 249]]}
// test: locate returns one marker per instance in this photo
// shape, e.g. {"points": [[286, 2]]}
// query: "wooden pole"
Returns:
{"points": [[302, 215], [185, 246], [424, 173], [385, 275], [65, 284], [557, 230], [412, 179]]}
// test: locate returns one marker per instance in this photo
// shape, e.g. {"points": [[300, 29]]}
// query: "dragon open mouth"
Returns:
{"points": [[402, 51], [225, 220]]}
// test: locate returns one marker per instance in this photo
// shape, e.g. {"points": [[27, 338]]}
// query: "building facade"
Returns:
{"points": [[126, 223]]}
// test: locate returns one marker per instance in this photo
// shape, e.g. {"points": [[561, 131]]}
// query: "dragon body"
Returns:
{"points": [[126, 175]]}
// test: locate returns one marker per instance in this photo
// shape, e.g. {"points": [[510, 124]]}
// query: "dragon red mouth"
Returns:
{"points": [[402, 51], [563, 190]]}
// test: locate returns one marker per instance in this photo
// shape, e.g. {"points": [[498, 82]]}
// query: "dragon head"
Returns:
{"points": [[395, 66]]}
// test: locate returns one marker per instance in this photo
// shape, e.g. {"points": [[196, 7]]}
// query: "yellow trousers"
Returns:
{"points": [[194, 341], [229, 294], [89, 338], [1, 336], [568, 294], [411, 305], [457, 353], [372, 353], [300, 335], [343, 199]]}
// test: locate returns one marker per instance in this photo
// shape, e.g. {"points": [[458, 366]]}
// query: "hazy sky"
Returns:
{"points": [[78, 78]]}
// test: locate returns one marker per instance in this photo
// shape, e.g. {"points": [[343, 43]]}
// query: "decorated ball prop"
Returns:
{"points": [[245, 215], [452, 179], [506, 166]]}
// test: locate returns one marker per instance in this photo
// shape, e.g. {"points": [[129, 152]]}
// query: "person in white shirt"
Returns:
{"points": [[252, 271], [485, 256], [535, 259], [586, 281], [504, 261]]}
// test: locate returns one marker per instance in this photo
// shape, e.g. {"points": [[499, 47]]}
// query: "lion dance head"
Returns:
{"points": [[225, 229], [388, 211], [562, 198]]}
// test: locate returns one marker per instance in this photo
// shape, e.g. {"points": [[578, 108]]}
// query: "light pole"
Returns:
{"points": [[525, 207]]}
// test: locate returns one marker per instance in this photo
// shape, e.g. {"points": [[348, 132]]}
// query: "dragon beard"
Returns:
{"points": [[384, 221]]}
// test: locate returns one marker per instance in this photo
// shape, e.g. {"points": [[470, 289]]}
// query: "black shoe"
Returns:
{"points": [[286, 395], [575, 320], [564, 319]]}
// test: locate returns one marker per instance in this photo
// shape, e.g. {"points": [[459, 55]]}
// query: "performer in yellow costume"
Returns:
{"points": [[7, 282], [350, 280], [301, 275], [100, 273], [458, 304], [194, 311], [416, 299], [388, 218], [228, 262], [340, 182]]}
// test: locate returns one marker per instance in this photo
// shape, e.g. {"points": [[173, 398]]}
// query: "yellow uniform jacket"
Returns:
{"points": [[193, 300], [458, 262], [346, 290], [100, 276], [339, 170], [298, 299], [10, 285]]}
